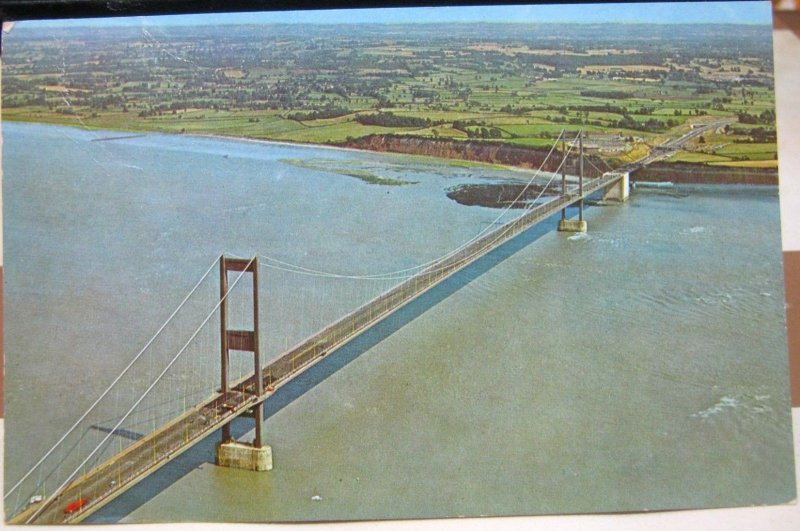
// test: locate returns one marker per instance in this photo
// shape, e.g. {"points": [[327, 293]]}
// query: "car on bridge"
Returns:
{"points": [[75, 506]]}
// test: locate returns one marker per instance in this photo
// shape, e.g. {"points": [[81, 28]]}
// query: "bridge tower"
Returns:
{"points": [[573, 225], [231, 453]]}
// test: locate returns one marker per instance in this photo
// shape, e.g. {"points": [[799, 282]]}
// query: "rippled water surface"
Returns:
{"points": [[640, 366]]}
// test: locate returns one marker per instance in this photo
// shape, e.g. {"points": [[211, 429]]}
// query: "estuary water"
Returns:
{"points": [[641, 366]]}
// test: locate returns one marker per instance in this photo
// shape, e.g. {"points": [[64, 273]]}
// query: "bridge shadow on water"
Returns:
{"points": [[202, 453]]}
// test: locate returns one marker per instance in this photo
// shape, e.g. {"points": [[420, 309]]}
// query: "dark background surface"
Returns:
{"points": [[42, 9]]}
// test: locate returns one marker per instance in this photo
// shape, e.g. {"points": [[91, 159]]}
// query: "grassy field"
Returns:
{"points": [[748, 164], [754, 151], [687, 156]]}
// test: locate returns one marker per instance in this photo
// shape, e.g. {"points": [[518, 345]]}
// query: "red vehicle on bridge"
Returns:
{"points": [[75, 506]]}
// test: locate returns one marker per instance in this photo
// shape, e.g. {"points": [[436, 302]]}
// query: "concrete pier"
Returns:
{"points": [[245, 456], [572, 225], [620, 190]]}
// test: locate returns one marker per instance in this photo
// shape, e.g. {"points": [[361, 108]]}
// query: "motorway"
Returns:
{"points": [[670, 147]]}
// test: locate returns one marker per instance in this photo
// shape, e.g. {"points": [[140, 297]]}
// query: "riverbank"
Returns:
{"points": [[472, 150], [508, 156], [688, 173], [498, 154], [529, 158]]}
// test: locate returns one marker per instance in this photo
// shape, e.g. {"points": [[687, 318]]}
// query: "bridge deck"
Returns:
{"points": [[105, 482]]}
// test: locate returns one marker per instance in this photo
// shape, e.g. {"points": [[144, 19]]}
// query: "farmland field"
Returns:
{"points": [[520, 84]]}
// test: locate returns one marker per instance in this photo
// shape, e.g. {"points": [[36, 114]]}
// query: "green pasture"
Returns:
{"points": [[696, 157], [748, 151], [338, 132]]}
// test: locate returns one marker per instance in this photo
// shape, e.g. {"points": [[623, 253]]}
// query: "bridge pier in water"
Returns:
{"points": [[572, 225], [229, 452], [620, 190]]}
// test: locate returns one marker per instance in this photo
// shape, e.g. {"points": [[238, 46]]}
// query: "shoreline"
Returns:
{"points": [[350, 149], [266, 141], [476, 154], [527, 158], [525, 172]]}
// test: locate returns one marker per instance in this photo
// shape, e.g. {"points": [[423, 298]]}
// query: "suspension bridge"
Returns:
{"points": [[161, 404]]}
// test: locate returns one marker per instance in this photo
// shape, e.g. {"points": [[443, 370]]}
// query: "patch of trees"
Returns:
{"points": [[477, 129], [424, 94], [103, 102], [484, 132], [651, 125], [609, 94], [600, 108], [519, 111], [388, 119], [462, 125], [24, 100], [321, 114], [766, 117], [758, 135]]}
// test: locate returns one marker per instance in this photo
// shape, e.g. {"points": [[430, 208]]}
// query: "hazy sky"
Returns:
{"points": [[742, 12]]}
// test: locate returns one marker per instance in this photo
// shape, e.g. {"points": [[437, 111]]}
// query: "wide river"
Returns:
{"points": [[641, 366]]}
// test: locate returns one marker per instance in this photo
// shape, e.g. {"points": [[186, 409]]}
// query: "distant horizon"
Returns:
{"points": [[749, 13]]}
